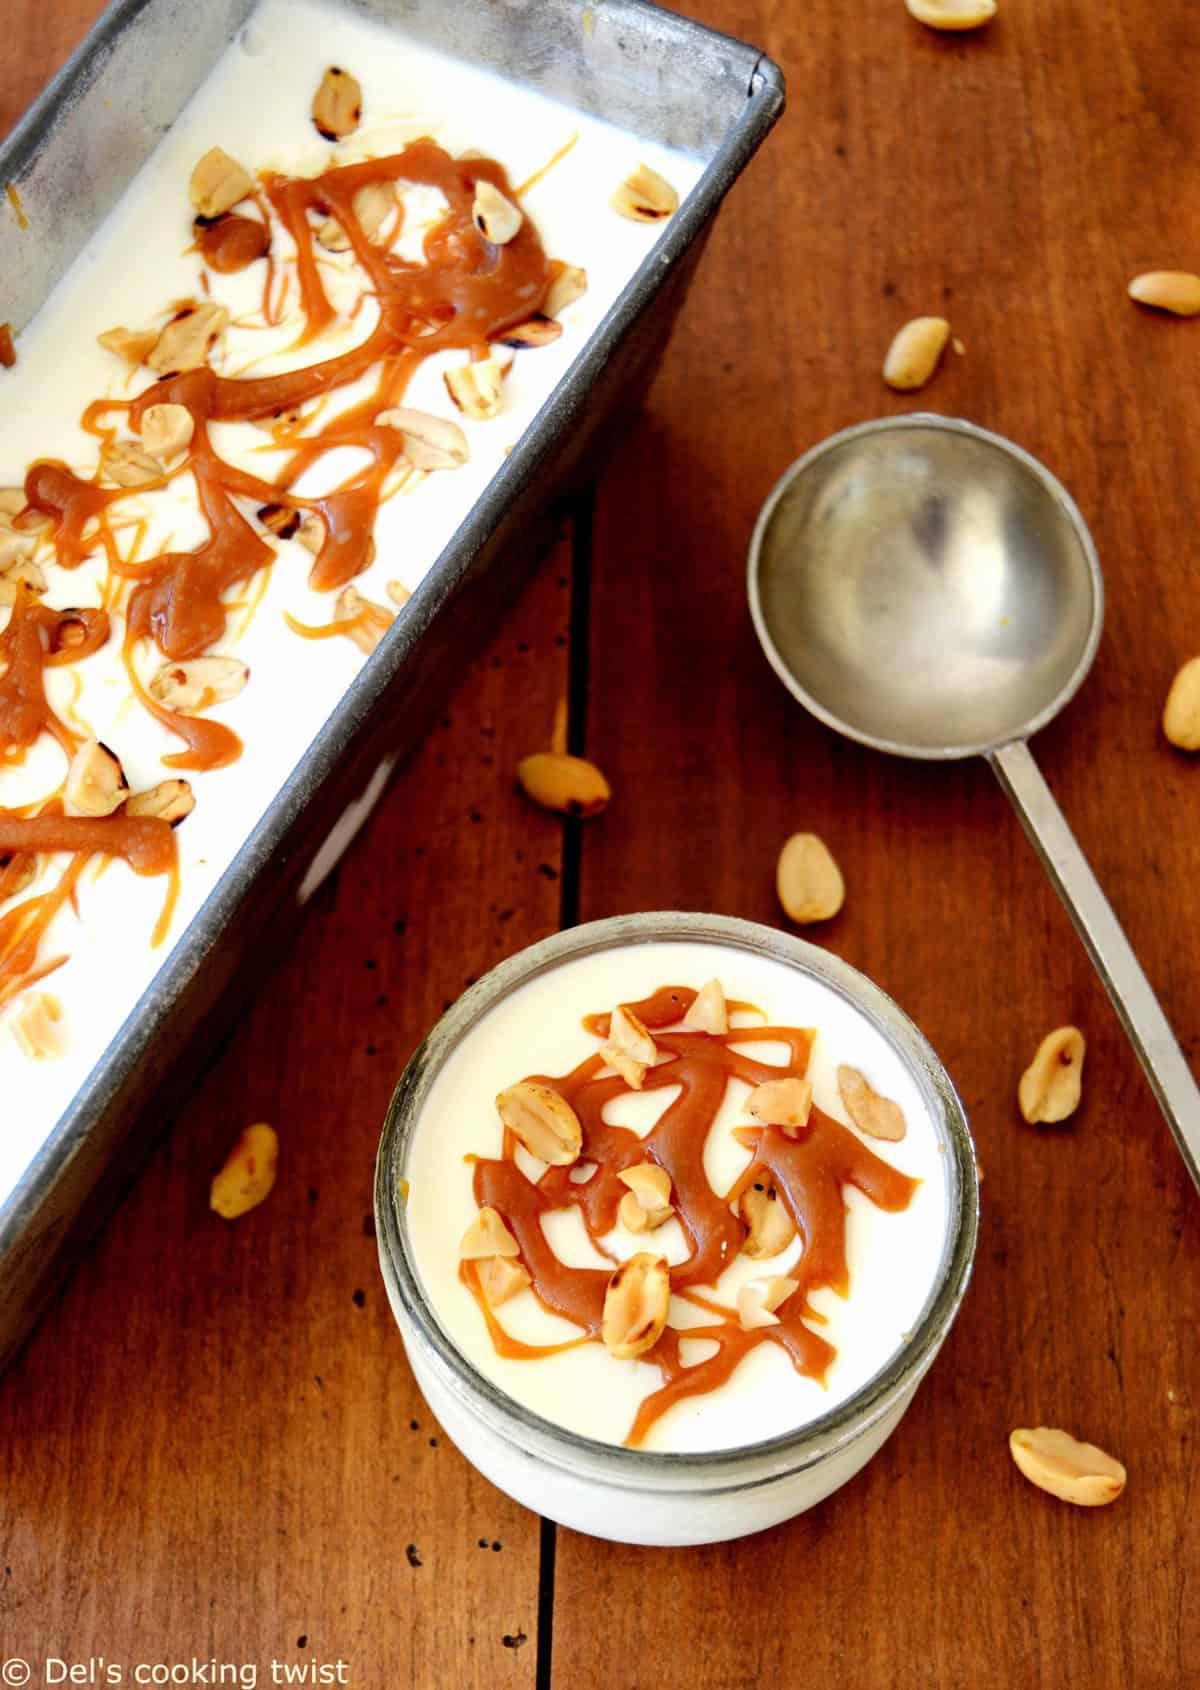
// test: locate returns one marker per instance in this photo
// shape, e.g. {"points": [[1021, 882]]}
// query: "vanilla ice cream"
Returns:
{"points": [[893, 1255], [562, 167]]}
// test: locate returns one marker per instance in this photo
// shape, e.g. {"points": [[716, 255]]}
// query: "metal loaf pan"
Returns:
{"points": [[70, 159]]}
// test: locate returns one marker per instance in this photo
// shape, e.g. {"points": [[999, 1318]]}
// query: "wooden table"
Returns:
{"points": [[213, 1446]]}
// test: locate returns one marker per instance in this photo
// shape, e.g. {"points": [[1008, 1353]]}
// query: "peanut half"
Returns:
{"points": [[568, 283], [635, 1306], [500, 1279], [217, 183], [487, 1235], [781, 1103], [476, 388], [759, 1298], [337, 104], [708, 1012], [1073, 1471], [570, 785], [496, 217], [198, 683], [1176, 291], [951, 14], [1052, 1084], [430, 442], [645, 197], [34, 1026], [808, 880], [188, 339], [248, 1174], [771, 1228], [914, 354], [1181, 712], [647, 1203], [128, 464], [96, 784], [872, 1114], [543, 1121], [629, 1048], [131, 344], [167, 429], [170, 801], [366, 621], [372, 205]]}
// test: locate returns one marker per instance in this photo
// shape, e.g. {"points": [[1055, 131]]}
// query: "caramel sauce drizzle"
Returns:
{"points": [[808, 1173], [466, 294]]}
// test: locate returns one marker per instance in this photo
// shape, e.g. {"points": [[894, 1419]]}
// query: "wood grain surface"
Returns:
{"points": [[209, 1448]]}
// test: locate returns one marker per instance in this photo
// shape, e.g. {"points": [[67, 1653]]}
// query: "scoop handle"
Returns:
{"points": [[1132, 995]]}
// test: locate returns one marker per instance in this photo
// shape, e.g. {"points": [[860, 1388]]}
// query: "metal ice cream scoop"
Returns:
{"points": [[929, 589]]}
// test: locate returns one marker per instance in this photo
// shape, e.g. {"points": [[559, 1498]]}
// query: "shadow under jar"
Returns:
{"points": [[770, 1440]]}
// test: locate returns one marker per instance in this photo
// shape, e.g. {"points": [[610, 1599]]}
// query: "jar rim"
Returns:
{"points": [[733, 1466]]}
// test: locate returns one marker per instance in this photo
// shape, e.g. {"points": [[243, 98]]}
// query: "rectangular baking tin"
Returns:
{"points": [[70, 159]]}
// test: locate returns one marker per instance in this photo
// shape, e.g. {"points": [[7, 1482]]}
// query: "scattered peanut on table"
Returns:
{"points": [[952, 14], [1073, 1471], [248, 1174], [1181, 712], [808, 880], [1052, 1084], [1176, 291], [571, 785], [915, 353]]}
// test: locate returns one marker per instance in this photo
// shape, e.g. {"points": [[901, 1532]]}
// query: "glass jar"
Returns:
{"points": [[646, 1496]]}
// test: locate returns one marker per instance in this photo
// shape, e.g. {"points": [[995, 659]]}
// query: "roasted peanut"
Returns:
{"points": [[538, 331], [1176, 291], [129, 464], [188, 339], [647, 1203], [759, 1298], [280, 520], [500, 1279], [567, 284], [1052, 1084], [645, 197], [337, 104], [543, 1121], [1073, 1471], [170, 801], [770, 1226], [133, 345], [198, 683], [494, 215], [567, 784], [808, 880], [636, 1304], [914, 354], [872, 1114], [248, 1174], [311, 532], [95, 784], [952, 14], [487, 1235], [217, 183], [781, 1103], [708, 1012], [34, 1026], [372, 205], [429, 442], [398, 593], [167, 429], [1181, 713], [366, 622], [476, 388]]}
